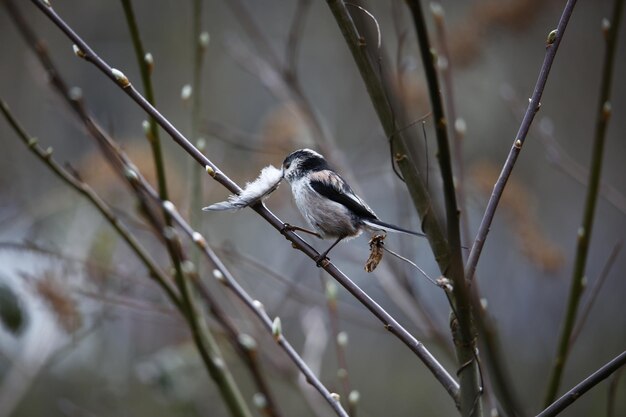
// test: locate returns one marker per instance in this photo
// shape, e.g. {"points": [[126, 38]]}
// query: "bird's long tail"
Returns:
{"points": [[377, 224]]}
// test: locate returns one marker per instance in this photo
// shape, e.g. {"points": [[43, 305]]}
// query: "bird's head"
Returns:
{"points": [[301, 162]]}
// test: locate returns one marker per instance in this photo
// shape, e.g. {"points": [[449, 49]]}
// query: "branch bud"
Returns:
{"points": [[258, 305], [149, 60], [147, 130], [335, 396], [210, 171], [203, 40], [75, 93], [78, 52], [277, 329], [131, 175], [460, 126], [259, 401], [218, 275], [551, 37], [185, 92], [48, 152], [606, 28], [342, 339], [354, 397], [188, 267], [201, 144], [247, 342], [434, 55], [169, 207], [437, 10], [219, 362], [198, 239], [121, 79], [47, 3]]}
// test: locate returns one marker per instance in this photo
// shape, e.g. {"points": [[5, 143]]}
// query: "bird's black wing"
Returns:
{"points": [[333, 187]]}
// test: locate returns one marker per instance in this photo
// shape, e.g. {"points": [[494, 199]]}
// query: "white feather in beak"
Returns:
{"points": [[258, 190]]}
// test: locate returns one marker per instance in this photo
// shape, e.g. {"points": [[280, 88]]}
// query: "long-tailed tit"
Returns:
{"points": [[327, 202]]}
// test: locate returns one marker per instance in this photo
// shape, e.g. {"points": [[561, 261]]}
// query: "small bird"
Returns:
{"points": [[327, 202]]}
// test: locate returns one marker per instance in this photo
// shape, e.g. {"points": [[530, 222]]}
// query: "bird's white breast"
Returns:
{"points": [[328, 218]]}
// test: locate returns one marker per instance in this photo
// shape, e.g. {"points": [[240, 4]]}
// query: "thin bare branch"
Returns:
{"points": [[580, 389], [552, 46]]}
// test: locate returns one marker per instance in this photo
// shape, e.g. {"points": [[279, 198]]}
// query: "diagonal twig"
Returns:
{"points": [[591, 381], [552, 46]]}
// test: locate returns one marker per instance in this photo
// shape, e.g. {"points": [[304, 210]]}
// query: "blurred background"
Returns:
{"points": [[87, 333]]}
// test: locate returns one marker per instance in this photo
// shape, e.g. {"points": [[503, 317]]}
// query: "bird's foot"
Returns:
{"points": [[289, 228], [286, 228], [322, 261]]}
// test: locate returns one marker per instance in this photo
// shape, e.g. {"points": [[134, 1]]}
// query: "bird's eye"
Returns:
{"points": [[287, 164]]}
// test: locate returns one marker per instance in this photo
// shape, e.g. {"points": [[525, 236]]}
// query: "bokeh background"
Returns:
{"points": [[92, 336]]}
